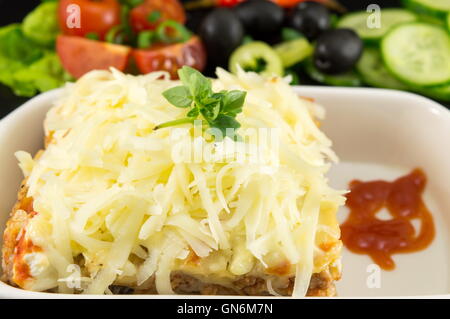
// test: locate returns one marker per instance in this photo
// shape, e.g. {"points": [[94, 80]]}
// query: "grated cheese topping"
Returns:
{"points": [[137, 204]]}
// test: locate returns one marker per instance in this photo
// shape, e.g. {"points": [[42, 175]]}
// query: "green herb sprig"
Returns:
{"points": [[218, 109]]}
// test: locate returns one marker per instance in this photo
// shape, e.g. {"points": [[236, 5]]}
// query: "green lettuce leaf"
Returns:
{"points": [[28, 67], [15, 46], [43, 75], [41, 24]]}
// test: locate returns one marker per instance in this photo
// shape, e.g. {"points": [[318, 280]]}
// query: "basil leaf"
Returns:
{"points": [[232, 102], [199, 86], [227, 125], [179, 96], [219, 109], [211, 111], [193, 113]]}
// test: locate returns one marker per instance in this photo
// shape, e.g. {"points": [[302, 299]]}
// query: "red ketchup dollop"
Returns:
{"points": [[364, 233]]}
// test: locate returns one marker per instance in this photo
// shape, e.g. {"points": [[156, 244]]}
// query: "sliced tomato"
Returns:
{"points": [[93, 16], [80, 55], [148, 15], [171, 57]]}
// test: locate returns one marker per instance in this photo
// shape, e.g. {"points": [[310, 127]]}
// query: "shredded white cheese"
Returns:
{"points": [[134, 203]]}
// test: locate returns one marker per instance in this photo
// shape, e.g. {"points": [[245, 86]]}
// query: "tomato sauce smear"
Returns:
{"points": [[364, 233]]}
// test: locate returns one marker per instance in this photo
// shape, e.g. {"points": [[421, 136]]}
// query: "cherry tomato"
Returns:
{"points": [[80, 55], [330, 4], [229, 3], [171, 57], [148, 15], [287, 3], [93, 16]]}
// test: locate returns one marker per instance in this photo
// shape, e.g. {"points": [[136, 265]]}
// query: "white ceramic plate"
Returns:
{"points": [[378, 134]]}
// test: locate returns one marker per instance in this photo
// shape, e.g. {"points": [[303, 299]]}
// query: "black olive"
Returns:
{"points": [[337, 51], [311, 19], [194, 19], [261, 19], [221, 32]]}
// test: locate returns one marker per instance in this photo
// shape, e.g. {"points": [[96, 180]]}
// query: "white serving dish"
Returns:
{"points": [[378, 134]]}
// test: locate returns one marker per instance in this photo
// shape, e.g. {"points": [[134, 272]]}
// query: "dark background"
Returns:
{"points": [[14, 11]]}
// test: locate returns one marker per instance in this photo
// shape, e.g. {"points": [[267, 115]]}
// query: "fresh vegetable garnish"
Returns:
{"points": [[148, 14], [348, 79], [152, 32], [441, 92], [294, 51], [261, 19], [80, 55], [15, 46], [27, 65], [116, 35], [331, 4], [131, 3], [161, 57], [358, 21], [145, 39], [218, 109], [92, 36], [437, 8], [374, 72], [221, 32], [40, 25], [95, 16], [418, 54], [154, 16], [337, 51], [171, 31], [448, 22], [311, 19], [287, 3], [257, 57], [196, 4], [124, 31], [229, 3]]}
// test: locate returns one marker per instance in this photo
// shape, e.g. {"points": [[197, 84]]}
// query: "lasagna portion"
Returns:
{"points": [[113, 206]]}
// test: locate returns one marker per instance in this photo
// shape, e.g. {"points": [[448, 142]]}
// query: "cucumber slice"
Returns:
{"points": [[350, 79], [374, 73], [418, 54], [441, 93], [359, 21], [448, 22], [431, 20], [293, 52], [437, 8], [258, 57]]}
